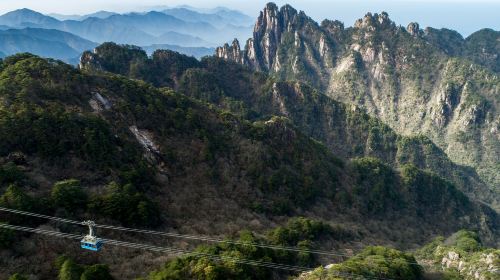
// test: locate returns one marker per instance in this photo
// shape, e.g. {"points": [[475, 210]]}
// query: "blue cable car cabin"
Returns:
{"points": [[91, 245], [90, 241]]}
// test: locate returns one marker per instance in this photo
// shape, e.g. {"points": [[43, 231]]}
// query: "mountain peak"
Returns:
{"points": [[374, 20], [414, 29], [261, 51], [271, 6], [274, 18], [230, 52], [270, 25], [332, 26], [21, 16], [24, 12]]}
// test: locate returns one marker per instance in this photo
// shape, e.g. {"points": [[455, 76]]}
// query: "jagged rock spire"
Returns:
{"points": [[232, 52], [260, 51], [414, 29], [375, 20]]}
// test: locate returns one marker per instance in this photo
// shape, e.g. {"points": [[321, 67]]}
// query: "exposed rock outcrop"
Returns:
{"points": [[99, 102], [232, 52], [481, 266], [260, 51], [88, 61], [414, 29], [145, 138], [371, 21]]}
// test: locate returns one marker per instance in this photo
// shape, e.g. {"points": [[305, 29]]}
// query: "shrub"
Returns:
{"points": [[9, 173], [15, 198], [17, 276], [300, 232], [452, 274], [96, 272], [52, 133], [69, 195], [6, 238], [465, 240], [380, 262], [298, 229], [427, 251], [127, 205], [375, 185], [70, 271]]}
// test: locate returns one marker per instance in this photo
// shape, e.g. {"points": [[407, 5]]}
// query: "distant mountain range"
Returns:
{"points": [[68, 47], [219, 19], [99, 14], [184, 29], [154, 27], [44, 42]]}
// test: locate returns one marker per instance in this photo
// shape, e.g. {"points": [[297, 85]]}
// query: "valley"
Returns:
{"points": [[315, 151]]}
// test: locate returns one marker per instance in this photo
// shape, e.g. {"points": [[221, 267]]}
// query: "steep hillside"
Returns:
{"points": [[483, 47], [460, 256], [371, 263], [344, 129], [75, 42], [172, 37], [419, 83], [143, 156]]}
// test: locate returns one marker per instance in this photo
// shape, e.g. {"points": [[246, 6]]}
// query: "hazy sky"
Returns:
{"points": [[464, 16]]}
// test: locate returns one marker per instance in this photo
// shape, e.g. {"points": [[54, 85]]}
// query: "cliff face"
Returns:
{"points": [[420, 82]]}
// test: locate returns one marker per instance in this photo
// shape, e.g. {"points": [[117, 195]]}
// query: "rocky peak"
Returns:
{"points": [[271, 24], [89, 61], [274, 20], [236, 45], [333, 25], [372, 21], [230, 52], [261, 50], [267, 19], [414, 29], [383, 18], [288, 15]]}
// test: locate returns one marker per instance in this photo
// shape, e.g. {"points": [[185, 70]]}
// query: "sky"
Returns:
{"points": [[465, 16]]}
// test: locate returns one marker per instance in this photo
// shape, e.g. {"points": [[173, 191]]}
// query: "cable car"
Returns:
{"points": [[90, 241]]}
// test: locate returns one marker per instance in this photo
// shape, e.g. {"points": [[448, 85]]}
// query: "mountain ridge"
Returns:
{"points": [[99, 14], [345, 129], [45, 42], [133, 28], [394, 73]]}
